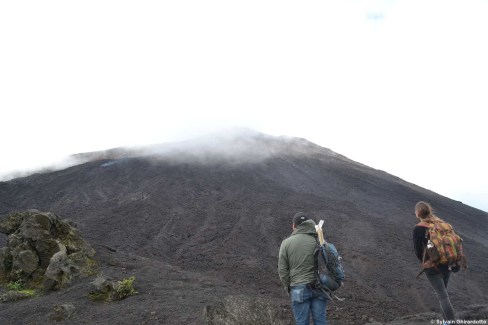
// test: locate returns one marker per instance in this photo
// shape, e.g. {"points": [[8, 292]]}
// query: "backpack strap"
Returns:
{"points": [[322, 250], [426, 264], [318, 285]]}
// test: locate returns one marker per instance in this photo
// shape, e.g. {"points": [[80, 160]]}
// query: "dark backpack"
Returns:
{"points": [[329, 272]]}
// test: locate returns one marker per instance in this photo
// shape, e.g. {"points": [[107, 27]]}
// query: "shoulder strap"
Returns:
{"points": [[321, 249], [423, 265], [425, 224]]}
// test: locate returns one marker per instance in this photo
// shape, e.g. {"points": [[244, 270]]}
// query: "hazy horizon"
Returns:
{"points": [[219, 142], [397, 85]]}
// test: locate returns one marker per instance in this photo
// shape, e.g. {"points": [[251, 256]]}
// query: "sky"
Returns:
{"points": [[400, 86]]}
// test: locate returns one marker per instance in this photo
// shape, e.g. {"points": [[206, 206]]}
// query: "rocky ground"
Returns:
{"points": [[201, 232]]}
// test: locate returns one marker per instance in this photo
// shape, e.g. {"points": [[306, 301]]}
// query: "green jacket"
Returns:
{"points": [[295, 260]]}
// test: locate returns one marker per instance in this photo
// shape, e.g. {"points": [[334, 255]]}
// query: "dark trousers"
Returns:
{"points": [[439, 281]]}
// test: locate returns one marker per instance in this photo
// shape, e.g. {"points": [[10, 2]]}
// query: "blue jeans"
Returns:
{"points": [[306, 301]]}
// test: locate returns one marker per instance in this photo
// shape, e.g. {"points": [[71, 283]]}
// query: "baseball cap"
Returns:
{"points": [[299, 218]]}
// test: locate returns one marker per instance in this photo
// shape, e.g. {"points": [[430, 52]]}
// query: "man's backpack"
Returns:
{"points": [[328, 267], [444, 246]]}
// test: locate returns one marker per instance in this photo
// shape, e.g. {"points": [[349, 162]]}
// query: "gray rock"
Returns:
{"points": [[15, 295], [43, 248], [102, 289], [11, 223], [46, 248], [14, 240], [62, 312], [5, 260], [35, 226], [103, 284], [242, 310], [106, 290], [60, 271], [24, 258], [26, 261]]}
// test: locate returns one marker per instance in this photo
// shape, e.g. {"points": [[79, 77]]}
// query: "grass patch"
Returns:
{"points": [[28, 292]]}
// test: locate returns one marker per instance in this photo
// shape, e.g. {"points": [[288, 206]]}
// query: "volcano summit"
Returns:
{"points": [[199, 224]]}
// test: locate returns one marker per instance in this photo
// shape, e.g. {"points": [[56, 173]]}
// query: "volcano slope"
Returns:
{"points": [[197, 222]]}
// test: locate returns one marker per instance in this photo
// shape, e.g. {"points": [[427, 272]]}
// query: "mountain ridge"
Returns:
{"points": [[199, 217]]}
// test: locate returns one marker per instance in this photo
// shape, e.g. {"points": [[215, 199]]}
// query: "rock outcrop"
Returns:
{"points": [[62, 312], [43, 250], [241, 309], [106, 290]]}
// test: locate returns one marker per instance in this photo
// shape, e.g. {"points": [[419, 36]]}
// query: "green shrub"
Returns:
{"points": [[125, 288]]}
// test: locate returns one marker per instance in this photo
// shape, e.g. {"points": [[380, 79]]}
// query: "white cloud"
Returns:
{"points": [[93, 75]]}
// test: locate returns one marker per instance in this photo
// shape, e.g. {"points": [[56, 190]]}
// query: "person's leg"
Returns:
{"points": [[439, 284], [319, 309], [300, 303], [446, 276]]}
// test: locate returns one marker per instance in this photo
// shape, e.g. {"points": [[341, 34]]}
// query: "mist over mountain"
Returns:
{"points": [[202, 220]]}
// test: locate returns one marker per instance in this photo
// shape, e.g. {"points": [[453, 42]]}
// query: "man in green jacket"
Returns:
{"points": [[296, 270]]}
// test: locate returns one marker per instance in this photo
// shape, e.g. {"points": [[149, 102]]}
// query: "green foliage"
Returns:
{"points": [[15, 285], [125, 288], [99, 296], [91, 267], [17, 275], [29, 293], [13, 295], [17, 291]]}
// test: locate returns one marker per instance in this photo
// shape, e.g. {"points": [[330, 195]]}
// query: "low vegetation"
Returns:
{"points": [[125, 288], [106, 290], [16, 290]]}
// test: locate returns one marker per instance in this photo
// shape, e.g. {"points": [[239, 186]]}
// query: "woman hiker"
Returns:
{"points": [[438, 275]]}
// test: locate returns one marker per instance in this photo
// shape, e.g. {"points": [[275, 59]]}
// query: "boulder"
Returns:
{"points": [[62, 312], [241, 309], [36, 226], [46, 248], [42, 248], [60, 271], [11, 223], [105, 289], [102, 289], [15, 296], [25, 261]]}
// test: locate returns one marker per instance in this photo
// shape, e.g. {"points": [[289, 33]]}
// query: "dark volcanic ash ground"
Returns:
{"points": [[195, 224]]}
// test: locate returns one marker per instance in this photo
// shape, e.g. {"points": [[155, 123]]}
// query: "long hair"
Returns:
{"points": [[425, 212]]}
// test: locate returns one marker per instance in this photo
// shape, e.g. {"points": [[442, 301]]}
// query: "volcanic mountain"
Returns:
{"points": [[200, 221]]}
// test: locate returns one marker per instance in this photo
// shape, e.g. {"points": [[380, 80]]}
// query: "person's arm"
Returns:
{"points": [[283, 267], [419, 241]]}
